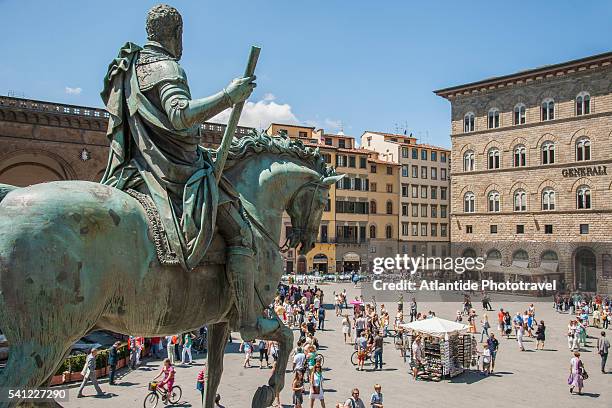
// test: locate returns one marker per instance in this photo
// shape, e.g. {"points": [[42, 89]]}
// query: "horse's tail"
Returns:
{"points": [[5, 189]]}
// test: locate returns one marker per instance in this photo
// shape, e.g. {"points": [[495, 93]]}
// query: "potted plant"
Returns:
{"points": [[101, 363], [77, 362], [58, 377]]}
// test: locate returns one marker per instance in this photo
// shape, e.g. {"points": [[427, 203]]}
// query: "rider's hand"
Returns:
{"points": [[240, 88]]}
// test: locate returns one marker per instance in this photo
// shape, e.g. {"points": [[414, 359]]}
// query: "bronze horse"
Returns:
{"points": [[77, 256]]}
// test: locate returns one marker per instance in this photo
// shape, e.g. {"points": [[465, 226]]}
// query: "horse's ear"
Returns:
{"points": [[332, 179]]}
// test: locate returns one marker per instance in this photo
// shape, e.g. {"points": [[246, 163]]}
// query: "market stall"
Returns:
{"points": [[447, 350]]}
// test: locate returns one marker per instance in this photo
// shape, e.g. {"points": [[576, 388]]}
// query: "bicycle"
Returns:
{"points": [[369, 357], [152, 398]]}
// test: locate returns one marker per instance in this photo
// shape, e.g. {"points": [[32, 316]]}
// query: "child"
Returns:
{"points": [[201, 382], [247, 347], [167, 381], [486, 360]]}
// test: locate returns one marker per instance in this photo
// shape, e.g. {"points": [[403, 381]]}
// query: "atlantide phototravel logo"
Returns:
{"points": [[422, 274]]}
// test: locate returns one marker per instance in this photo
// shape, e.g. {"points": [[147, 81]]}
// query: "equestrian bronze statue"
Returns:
{"points": [[168, 242]]}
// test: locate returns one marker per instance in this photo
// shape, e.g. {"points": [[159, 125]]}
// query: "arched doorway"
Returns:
{"points": [[319, 263], [351, 262], [301, 265], [28, 167], [585, 270]]}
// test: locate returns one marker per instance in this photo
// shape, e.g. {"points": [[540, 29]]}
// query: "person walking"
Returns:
{"points": [[297, 386], [247, 347], [493, 345], [603, 346], [316, 386], [170, 345], [201, 382], [262, 346], [346, 328], [112, 362], [378, 351], [413, 310], [321, 318], [187, 343], [486, 359], [354, 401], [417, 356], [376, 400], [133, 352], [362, 350], [485, 327], [576, 377], [89, 373], [520, 332], [540, 335]]}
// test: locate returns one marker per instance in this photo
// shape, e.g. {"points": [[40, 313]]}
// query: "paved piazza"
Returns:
{"points": [[522, 379]]}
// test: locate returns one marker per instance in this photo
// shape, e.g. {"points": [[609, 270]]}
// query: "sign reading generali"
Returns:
{"points": [[584, 171]]}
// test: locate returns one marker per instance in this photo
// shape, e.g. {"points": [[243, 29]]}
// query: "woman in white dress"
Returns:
{"points": [[316, 386]]}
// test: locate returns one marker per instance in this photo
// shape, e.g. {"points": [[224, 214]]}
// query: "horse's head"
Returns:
{"points": [[306, 209]]}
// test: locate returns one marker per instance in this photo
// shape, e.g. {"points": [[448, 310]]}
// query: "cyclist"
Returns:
{"points": [[167, 381]]}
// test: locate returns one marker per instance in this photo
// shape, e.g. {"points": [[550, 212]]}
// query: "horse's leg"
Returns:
{"points": [[271, 329], [30, 365], [217, 340]]}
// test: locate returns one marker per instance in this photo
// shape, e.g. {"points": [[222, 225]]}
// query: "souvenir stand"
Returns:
{"points": [[447, 350]]}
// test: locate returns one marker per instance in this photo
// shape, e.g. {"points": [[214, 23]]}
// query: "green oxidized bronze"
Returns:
{"points": [[140, 254]]}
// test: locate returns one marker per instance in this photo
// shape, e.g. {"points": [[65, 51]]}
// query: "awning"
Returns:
{"points": [[351, 257], [435, 326]]}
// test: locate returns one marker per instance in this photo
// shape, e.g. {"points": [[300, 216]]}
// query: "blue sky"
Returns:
{"points": [[367, 65]]}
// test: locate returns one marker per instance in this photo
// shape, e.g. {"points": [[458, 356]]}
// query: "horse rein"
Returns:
{"points": [[294, 231]]}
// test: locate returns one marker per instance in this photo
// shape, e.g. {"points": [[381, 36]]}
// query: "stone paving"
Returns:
{"points": [[522, 379]]}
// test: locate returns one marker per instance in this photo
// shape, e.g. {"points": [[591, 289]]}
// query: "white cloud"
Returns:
{"points": [[333, 124], [260, 114], [73, 91]]}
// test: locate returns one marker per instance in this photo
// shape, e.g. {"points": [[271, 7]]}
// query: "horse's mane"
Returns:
{"points": [[260, 142]]}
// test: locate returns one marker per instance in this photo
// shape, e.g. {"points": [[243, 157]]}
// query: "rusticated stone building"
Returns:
{"points": [[531, 173], [45, 141]]}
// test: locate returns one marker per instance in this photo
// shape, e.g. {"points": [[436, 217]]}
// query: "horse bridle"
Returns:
{"points": [[296, 232]]}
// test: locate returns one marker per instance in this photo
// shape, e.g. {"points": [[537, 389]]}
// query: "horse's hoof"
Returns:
{"points": [[264, 397]]}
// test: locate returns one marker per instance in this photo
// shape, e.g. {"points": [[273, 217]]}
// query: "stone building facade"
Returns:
{"points": [[532, 173], [423, 180], [45, 141]]}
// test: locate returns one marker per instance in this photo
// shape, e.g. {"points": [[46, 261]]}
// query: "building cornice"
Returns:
{"points": [[524, 77]]}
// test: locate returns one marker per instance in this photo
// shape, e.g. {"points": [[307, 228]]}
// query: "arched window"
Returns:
{"points": [[388, 232], [493, 118], [469, 253], [372, 231], [520, 258], [548, 109], [583, 104], [468, 161], [493, 255], [548, 199], [549, 256], [520, 156], [389, 207], [520, 200], [583, 149], [372, 207], [468, 122], [469, 202], [493, 201], [519, 114], [548, 152], [583, 198], [493, 158]]}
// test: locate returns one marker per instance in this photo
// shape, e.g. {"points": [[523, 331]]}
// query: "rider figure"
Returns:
{"points": [[154, 127]]}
